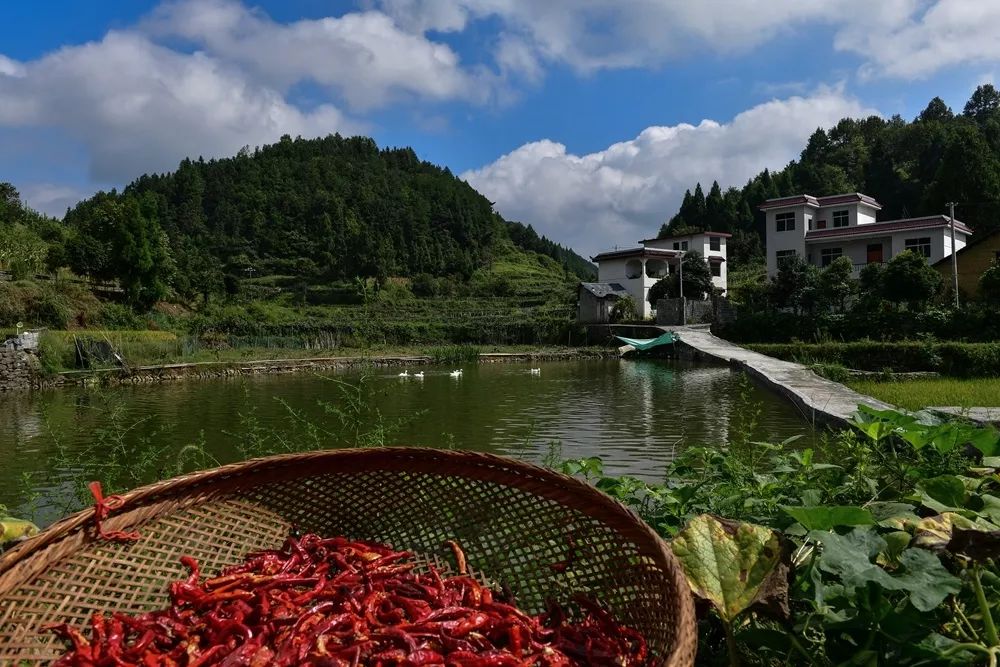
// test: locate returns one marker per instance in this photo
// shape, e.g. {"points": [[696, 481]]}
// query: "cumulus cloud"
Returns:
{"points": [[948, 33], [365, 56], [623, 193], [139, 107], [896, 38]]}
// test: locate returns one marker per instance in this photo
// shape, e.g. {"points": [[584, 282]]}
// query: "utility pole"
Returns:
{"points": [[680, 284], [954, 253]]}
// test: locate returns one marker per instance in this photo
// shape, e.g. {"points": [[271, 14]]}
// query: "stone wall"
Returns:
{"points": [[717, 310], [19, 369]]}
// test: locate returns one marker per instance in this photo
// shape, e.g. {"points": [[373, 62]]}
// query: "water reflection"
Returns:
{"points": [[633, 414]]}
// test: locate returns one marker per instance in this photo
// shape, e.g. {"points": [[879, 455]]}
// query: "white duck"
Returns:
{"points": [[419, 375], [536, 371], [456, 373], [404, 374]]}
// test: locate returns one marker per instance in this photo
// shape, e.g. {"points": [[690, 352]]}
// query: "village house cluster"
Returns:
{"points": [[816, 229]]}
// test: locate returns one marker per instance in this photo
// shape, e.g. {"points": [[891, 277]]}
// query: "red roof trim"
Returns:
{"points": [[715, 258], [634, 252], [926, 222], [795, 200], [687, 236], [817, 202]]}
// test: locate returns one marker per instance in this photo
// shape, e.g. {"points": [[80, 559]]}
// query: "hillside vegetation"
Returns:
{"points": [[330, 239]]}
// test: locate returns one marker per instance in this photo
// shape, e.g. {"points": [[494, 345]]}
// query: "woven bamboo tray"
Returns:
{"points": [[511, 518]]}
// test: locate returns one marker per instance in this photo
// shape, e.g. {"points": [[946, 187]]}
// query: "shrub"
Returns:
{"points": [[624, 310]]}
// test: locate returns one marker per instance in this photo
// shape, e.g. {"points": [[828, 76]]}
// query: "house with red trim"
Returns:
{"points": [[821, 229], [637, 269]]}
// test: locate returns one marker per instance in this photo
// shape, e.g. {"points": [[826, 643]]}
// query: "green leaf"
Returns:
{"points": [[927, 580], [829, 517], [942, 494], [849, 557], [733, 565]]}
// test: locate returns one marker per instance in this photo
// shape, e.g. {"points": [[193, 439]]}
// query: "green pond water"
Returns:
{"points": [[635, 415]]}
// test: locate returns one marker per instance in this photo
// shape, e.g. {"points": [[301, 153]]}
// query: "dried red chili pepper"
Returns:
{"points": [[333, 602]]}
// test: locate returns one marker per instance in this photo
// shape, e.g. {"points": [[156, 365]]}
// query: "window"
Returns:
{"points": [[921, 246], [827, 255], [677, 245], [782, 256], [714, 243], [785, 222], [841, 218], [821, 224], [684, 245], [716, 269]]}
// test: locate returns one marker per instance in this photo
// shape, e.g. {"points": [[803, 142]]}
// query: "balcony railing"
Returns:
{"points": [[858, 267]]}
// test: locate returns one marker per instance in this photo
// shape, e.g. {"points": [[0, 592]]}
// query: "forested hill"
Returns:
{"points": [[911, 168], [322, 209]]}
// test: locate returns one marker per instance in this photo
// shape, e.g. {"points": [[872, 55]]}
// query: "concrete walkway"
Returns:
{"points": [[820, 400], [981, 416]]}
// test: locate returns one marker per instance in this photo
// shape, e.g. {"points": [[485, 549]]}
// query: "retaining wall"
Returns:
{"points": [[19, 369]]}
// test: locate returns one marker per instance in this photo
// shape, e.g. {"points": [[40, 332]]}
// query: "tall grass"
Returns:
{"points": [[922, 393], [454, 354]]}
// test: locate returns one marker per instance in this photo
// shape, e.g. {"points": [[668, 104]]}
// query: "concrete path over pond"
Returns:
{"points": [[821, 401]]}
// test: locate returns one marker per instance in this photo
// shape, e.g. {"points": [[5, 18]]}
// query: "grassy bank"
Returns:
{"points": [[950, 358], [157, 348], [919, 394]]}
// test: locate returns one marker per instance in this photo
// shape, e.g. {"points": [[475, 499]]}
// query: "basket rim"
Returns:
{"points": [[542, 481]]}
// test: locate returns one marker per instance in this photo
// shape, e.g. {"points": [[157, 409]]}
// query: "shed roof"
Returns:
{"points": [[604, 290]]}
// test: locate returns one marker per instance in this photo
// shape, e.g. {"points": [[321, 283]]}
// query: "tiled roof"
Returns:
{"points": [[874, 228], [817, 202], [687, 236], [603, 290], [634, 252]]}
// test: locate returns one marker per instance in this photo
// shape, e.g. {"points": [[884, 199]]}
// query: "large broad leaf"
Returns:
{"points": [[943, 494], [830, 516], [734, 565], [849, 558]]}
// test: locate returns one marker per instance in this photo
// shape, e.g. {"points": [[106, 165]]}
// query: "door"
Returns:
{"points": [[874, 253]]}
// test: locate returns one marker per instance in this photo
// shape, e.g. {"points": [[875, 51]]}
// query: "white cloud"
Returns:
{"points": [[601, 34], [948, 33], [623, 193], [363, 56], [905, 39], [139, 107], [51, 198]]}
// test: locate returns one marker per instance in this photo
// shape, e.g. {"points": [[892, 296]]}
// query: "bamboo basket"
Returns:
{"points": [[512, 519]]}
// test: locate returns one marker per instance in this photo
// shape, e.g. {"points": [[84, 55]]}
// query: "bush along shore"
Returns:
{"points": [[879, 547], [888, 556]]}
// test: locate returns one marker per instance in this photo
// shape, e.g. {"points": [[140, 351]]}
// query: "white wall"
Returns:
{"points": [[794, 240], [613, 271]]}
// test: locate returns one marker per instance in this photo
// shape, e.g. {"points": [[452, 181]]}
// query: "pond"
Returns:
{"points": [[635, 415]]}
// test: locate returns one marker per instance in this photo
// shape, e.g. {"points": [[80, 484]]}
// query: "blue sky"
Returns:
{"points": [[585, 118]]}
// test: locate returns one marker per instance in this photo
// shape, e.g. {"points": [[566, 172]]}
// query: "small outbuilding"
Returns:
{"points": [[973, 260], [595, 301]]}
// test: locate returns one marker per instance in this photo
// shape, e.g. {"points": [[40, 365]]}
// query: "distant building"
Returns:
{"points": [[596, 300], [972, 260], [821, 229], [637, 269]]}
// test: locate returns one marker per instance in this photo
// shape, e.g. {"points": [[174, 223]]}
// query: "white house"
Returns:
{"points": [[637, 269], [821, 229]]}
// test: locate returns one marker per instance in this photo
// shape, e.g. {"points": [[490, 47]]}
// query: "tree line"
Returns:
{"points": [[912, 168], [322, 210]]}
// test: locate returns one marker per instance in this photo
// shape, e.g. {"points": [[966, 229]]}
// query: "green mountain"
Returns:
{"points": [[912, 168], [319, 210]]}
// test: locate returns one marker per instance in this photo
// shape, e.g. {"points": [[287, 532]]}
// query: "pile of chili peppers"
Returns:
{"points": [[333, 602]]}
